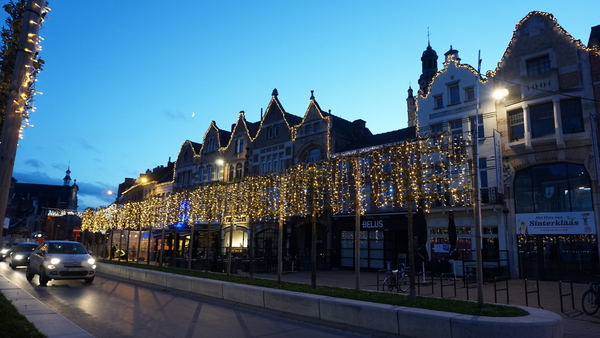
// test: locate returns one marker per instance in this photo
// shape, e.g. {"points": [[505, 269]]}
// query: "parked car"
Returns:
{"points": [[5, 250], [61, 260], [19, 255]]}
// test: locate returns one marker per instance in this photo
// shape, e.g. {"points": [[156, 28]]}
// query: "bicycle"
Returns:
{"points": [[590, 302], [397, 280]]}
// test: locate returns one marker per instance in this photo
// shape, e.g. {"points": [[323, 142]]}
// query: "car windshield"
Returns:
{"points": [[66, 248], [26, 248]]}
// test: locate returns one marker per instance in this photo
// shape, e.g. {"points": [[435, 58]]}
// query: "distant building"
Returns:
{"points": [[42, 208]]}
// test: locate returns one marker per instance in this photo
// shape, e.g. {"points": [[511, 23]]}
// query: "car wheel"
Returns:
{"points": [[89, 280], [14, 267], [29, 274], [43, 278]]}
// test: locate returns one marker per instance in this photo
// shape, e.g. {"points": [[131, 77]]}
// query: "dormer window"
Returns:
{"points": [[272, 131]]}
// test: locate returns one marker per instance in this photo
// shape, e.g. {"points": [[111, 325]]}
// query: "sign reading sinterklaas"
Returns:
{"points": [[556, 223]]}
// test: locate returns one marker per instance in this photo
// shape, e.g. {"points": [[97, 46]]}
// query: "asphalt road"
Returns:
{"points": [[113, 308]]}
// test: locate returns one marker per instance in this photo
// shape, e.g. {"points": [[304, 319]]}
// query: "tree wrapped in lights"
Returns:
{"points": [[422, 172]]}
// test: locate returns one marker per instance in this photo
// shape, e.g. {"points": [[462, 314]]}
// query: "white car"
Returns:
{"points": [[61, 260]]}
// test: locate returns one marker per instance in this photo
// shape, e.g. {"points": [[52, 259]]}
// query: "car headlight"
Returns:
{"points": [[54, 261], [91, 261], [19, 256], [4, 251]]}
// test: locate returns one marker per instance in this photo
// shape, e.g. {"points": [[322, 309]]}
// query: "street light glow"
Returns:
{"points": [[500, 93]]}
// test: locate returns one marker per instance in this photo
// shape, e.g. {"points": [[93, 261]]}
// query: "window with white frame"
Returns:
{"points": [[516, 126], [438, 101], [469, 94], [571, 116], [480, 129], [453, 93], [541, 117], [538, 66]]}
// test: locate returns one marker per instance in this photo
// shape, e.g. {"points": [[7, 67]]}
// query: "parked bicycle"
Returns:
{"points": [[398, 280], [590, 302]]}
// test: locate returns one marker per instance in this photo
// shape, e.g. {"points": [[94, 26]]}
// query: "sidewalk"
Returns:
{"points": [[575, 322], [45, 319]]}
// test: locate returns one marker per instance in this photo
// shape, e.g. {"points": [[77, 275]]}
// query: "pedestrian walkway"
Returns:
{"points": [[45, 319], [575, 322]]}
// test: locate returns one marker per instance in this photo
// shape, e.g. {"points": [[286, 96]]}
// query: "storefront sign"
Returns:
{"points": [[371, 224], [558, 223]]}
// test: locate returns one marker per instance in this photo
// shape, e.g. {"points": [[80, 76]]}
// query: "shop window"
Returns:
{"points": [[538, 66], [371, 249], [542, 119], [553, 188], [516, 126], [571, 116]]}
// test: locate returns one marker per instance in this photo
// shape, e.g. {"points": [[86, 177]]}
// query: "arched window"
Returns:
{"points": [[561, 187], [238, 171], [313, 155]]}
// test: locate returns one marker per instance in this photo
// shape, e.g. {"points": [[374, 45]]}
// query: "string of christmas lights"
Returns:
{"points": [[430, 171]]}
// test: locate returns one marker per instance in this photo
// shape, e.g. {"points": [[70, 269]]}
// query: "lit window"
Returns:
{"points": [[538, 66]]}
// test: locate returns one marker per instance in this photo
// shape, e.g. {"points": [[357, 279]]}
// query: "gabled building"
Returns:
{"points": [[186, 175], [548, 122], [49, 209], [155, 182], [537, 148]]}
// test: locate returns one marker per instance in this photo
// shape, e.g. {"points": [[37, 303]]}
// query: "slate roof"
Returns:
{"points": [[382, 139]]}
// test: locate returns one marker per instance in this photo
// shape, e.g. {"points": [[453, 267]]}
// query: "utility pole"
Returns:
{"points": [[15, 105]]}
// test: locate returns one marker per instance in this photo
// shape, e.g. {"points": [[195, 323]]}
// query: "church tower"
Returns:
{"points": [[411, 105], [429, 68], [67, 179]]}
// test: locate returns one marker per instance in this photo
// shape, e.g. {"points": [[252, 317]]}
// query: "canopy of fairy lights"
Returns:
{"points": [[426, 171]]}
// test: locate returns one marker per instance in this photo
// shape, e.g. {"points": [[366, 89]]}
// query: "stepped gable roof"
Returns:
{"points": [[521, 31], [390, 137]]}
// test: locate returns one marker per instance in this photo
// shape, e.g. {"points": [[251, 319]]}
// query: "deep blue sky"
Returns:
{"points": [[127, 82]]}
